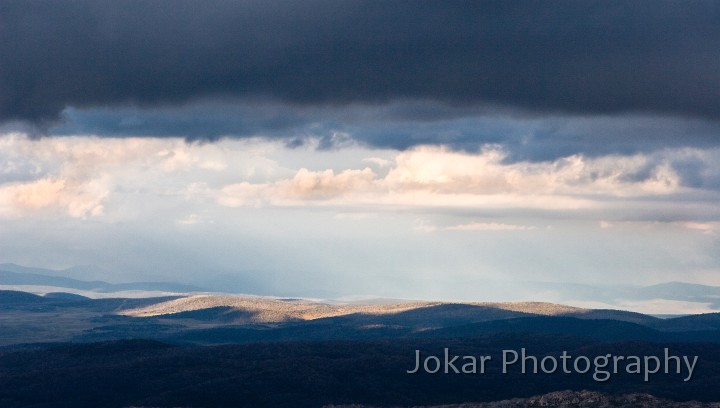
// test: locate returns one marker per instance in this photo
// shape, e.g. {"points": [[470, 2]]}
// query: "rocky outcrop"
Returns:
{"points": [[575, 399]]}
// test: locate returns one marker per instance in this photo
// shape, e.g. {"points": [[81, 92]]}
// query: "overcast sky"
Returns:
{"points": [[336, 148]]}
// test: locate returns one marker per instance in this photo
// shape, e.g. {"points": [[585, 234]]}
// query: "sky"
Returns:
{"points": [[414, 149]]}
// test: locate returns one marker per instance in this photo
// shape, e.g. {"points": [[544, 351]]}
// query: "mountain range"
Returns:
{"points": [[222, 319], [669, 298], [15, 275]]}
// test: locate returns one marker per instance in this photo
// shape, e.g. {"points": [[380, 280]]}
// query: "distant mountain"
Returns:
{"points": [[213, 319], [30, 278], [80, 272], [621, 294], [682, 291], [65, 296], [611, 296], [11, 267], [69, 303], [706, 321], [12, 297]]}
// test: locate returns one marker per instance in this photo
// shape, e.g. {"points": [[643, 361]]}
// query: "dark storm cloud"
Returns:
{"points": [[401, 126], [568, 56]]}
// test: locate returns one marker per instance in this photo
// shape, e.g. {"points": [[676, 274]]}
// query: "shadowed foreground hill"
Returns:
{"points": [[314, 374]]}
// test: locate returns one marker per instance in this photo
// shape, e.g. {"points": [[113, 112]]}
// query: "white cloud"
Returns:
{"points": [[447, 172], [194, 219], [709, 228], [425, 226], [489, 226], [86, 177], [325, 184], [36, 194], [306, 186], [77, 199], [355, 216], [80, 176], [437, 177]]}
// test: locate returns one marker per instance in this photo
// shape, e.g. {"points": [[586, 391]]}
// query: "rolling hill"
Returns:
{"points": [[218, 319]]}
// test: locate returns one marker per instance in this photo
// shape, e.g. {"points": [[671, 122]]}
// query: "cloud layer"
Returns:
{"points": [[589, 57], [255, 216], [80, 176]]}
